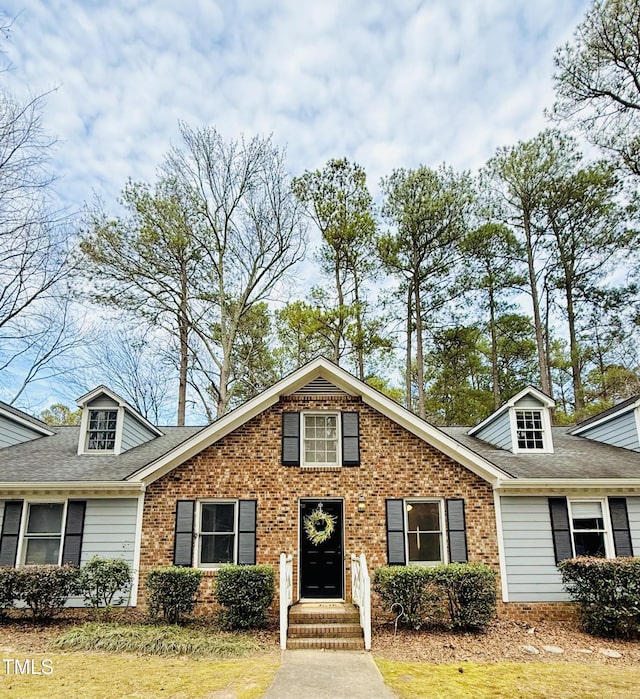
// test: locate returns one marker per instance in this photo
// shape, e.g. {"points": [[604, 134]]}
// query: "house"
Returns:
{"points": [[321, 467]]}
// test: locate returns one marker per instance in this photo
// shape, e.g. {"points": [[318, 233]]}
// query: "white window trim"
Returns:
{"points": [[547, 439], [83, 443], [322, 413], [22, 540], [609, 548], [198, 525], [444, 548]]}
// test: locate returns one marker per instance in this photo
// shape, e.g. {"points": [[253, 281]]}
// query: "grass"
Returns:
{"points": [[510, 680], [156, 640], [97, 676]]}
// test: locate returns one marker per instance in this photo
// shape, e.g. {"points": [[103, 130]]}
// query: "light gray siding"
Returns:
{"points": [[532, 575], [620, 431], [1, 513], [13, 433], [529, 401], [498, 432], [134, 433], [633, 510]]}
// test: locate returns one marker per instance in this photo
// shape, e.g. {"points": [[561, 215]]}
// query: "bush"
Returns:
{"points": [[173, 592], [470, 592], [607, 592], [102, 578], [410, 587], [246, 593], [7, 588], [45, 588], [459, 595]]}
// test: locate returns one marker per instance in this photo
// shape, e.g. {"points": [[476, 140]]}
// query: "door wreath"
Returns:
{"points": [[319, 526]]}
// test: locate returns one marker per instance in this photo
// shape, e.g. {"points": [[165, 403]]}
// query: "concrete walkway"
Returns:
{"points": [[328, 674]]}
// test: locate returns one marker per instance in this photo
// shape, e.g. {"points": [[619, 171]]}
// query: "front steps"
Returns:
{"points": [[327, 625]]}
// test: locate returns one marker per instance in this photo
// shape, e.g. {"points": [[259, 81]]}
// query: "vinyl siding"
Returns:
{"points": [[498, 432], [633, 510], [532, 575], [134, 433], [529, 402], [620, 431], [13, 433]]}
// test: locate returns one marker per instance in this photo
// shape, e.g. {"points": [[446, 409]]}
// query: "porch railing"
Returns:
{"points": [[286, 595], [361, 594]]}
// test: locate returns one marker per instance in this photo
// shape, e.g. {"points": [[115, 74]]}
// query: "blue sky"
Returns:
{"points": [[385, 84]]}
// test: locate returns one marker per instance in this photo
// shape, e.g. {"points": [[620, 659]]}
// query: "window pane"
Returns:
{"points": [[45, 518], [218, 517], [320, 439], [424, 547], [586, 510], [42, 551], [424, 516], [216, 548], [589, 543], [102, 429], [529, 429]]}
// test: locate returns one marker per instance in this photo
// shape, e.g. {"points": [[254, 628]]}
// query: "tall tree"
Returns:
{"points": [[428, 210], [492, 255], [597, 79], [520, 176], [588, 239], [339, 203]]}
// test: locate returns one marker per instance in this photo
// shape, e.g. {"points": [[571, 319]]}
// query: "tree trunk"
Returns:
{"points": [[183, 338], [578, 392], [419, 352], [495, 378], [409, 353]]}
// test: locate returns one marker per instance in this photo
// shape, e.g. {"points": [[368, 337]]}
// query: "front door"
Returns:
{"points": [[321, 559]]}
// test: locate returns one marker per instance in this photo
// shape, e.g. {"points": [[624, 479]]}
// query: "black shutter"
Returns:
{"points": [[183, 542], [559, 513], [247, 520], [395, 532], [10, 532], [350, 439], [620, 524], [456, 531], [291, 439], [73, 528]]}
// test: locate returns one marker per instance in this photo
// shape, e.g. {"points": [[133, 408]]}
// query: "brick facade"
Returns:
{"points": [[246, 464], [535, 612]]}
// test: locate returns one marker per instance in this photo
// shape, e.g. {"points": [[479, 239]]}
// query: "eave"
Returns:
{"points": [[74, 488], [563, 486]]}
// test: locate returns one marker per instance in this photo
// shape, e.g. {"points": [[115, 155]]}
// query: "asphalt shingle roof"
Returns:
{"points": [[55, 458], [573, 457]]}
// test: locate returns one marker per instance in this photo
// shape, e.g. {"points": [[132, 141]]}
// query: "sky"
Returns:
{"points": [[385, 84]]}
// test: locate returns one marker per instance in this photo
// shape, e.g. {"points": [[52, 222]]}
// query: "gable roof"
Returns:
{"points": [[84, 400], [614, 411], [321, 368], [25, 419], [547, 401]]}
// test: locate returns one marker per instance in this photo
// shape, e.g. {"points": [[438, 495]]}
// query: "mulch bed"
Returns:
{"points": [[504, 640]]}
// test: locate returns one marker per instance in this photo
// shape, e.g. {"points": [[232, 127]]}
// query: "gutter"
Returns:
{"points": [[99, 488], [531, 486]]}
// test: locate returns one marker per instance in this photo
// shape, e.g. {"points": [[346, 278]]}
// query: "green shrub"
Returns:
{"points": [[173, 592], [470, 592], [607, 592], [45, 588], [246, 593], [7, 588], [101, 579], [409, 586]]}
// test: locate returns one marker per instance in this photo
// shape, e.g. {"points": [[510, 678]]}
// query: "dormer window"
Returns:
{"points": [[101, 435], [529, 429]]}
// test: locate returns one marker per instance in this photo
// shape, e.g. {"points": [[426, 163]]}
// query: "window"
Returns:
{"points": [[217, 533], [101, 435], [43, 533], [587, 528], [529, 429], [320, 440], [424, 532]]}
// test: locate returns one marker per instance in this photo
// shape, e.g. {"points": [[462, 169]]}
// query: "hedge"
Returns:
{"points": [[45, 588], [458, 595], [245, 593], [101, 579], [173, 592], [607, 592]]}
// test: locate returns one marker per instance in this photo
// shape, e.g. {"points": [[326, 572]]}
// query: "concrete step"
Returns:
{"points": [[325, 630], [335, 613], [325, 643]]}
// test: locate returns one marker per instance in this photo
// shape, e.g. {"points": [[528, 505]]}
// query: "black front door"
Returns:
{"points": [[321, 561]]}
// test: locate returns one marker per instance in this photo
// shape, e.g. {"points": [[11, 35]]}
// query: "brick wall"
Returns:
{"points": [[534, 612], [246, 465]]}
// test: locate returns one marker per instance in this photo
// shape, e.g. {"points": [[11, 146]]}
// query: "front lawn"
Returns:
{"points": [[97, 675], [508, 680]]}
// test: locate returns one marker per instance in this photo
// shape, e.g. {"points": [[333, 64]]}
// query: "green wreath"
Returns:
{"points": [[319, 526]]}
